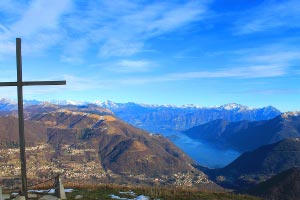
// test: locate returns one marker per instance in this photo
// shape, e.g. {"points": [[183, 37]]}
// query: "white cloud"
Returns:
{"points": [[40, 16], [112, 28], [277, 91], [127, 66], [3, 29], [270, 15], [121, 29], [267, 91], [161, 18], [37, 23], [275, 57], [6, 47], [75, 83], [284, 55], [8, 75], [12, 9], [259, 71], [74, 51], [250, 72], [115, 47], [131, 66]]}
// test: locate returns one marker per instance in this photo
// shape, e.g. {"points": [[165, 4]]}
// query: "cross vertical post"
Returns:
{"points": [[21, 117], [20, 85]]}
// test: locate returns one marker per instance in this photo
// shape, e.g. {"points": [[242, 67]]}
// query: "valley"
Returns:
{"points": [[90, 144], [170, 121]]}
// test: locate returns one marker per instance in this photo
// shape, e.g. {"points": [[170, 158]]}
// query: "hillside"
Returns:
{"points": [[35, 132], [86, 146], [121, 147], [260, 164], [248, 135], [284, 186]]}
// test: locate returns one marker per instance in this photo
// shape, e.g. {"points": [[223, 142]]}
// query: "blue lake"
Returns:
{"points": [[203, 153]]}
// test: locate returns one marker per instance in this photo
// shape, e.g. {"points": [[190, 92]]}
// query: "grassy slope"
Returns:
{"points": [[104, 192]]}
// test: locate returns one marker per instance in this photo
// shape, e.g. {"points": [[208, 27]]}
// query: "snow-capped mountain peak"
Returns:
{"points": [[7, 101], [291, 114], [233, 106], [67, 102], [106, 104]]}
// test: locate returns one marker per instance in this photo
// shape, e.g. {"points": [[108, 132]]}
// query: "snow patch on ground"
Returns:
{"points": [[140, 197], [50, 191]]}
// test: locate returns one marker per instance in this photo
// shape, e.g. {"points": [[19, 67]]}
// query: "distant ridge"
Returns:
{"points": [[248, 135], [170, 118], [166, 118], [111, 104]]}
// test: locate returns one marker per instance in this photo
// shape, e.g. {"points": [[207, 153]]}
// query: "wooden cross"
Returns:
{"points": [[19, 84]]}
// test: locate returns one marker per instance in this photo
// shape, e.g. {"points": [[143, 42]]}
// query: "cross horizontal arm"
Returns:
{"points": [[8, 84], [31, 83], [28, 83]]}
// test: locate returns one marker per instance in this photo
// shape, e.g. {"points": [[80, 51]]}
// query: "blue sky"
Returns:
{"points": [[159, 52]]}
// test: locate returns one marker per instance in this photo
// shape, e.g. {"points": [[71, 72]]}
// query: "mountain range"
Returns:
{"points": [[166, 118], [248, 135]]}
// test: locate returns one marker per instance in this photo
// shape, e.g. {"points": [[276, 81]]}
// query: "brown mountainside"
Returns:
{"points": [[94, 147], [9, 136], [121, 147]]}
